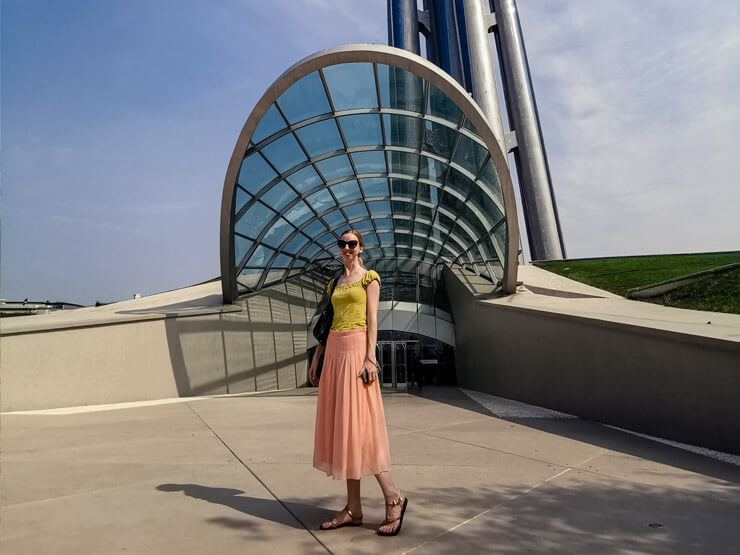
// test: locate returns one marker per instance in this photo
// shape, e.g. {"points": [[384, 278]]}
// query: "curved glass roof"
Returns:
{"points": [[366, 146]]}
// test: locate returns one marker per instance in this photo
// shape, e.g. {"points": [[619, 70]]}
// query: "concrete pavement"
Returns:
{"points": [[233, 474]]}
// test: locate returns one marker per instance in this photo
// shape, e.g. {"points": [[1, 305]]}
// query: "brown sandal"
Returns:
{"points": [[396, 501], [334, 524]]}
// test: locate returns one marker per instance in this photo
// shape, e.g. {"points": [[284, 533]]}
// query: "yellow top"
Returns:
{"points": [[350, 303]]}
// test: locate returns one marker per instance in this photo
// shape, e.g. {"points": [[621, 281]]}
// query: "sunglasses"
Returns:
{"points": [[351, 244]]}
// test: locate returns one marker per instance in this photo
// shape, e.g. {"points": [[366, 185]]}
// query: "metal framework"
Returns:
{"points": [[374, 138]]}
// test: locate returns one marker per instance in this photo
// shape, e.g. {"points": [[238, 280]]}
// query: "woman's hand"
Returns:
{"points": [[372, 370], [312, 378]]}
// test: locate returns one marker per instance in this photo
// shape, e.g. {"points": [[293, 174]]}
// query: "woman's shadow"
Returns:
{"points": [[296, 515]]}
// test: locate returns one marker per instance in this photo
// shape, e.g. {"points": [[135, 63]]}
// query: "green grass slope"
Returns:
{"points": [[718, 293]]}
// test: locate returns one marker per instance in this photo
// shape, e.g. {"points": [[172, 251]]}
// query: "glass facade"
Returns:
{"points": [[372, 147]]}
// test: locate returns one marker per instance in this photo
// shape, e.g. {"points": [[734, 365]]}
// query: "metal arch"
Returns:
{"points": [[376, 55]]}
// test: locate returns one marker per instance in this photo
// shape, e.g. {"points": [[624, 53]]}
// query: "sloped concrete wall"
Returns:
{"points": [[663, 383], [160, 352]]}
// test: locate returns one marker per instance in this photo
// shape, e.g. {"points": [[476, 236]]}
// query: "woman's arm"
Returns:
{"points": [[373, 297], [314, 365]]}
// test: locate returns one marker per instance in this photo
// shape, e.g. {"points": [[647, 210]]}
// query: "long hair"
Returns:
{"points": [[359, 240]]}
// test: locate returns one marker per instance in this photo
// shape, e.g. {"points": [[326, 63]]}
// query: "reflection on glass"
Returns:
{"points": [[321, 200], [305, 179], [271, 122], [298, 214], [279, 195], [255, 173], [470, 155], [347, 190], [242, 197], [320, 138], [241, 246], [372, 161], [296, 243], [405, 131], [260, 256], [351, 86], [254, 220], [279, 231], [356, 211], [379, 208], [439, 139], [304, 99], [441, 106], [334, 218], [375, 187], [361, 130], [335, 167], [400, 89], [284, 153], [315, 228]]}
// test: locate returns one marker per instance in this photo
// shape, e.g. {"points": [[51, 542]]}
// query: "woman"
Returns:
{"points": [[351, 439]]}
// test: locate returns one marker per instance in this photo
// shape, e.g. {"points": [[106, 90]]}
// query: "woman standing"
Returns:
{"points": [[350, 439]]}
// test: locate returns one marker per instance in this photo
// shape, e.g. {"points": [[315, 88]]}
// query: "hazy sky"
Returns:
{"points": [[119, 118]]}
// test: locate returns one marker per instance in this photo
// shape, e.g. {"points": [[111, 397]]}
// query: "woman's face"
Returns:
{"points": [[352, 247]]}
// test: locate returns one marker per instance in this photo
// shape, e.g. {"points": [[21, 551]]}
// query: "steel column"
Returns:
{"points": [[482, 76], [403, 25], [540, 212]]}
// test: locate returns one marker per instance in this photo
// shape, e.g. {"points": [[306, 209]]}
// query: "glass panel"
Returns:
{"points": [[403, 188], [254, 220], [420, 242], [400, 224], [383, 223], [320, 138], [370, 240], [334, 168], [255, 173], [403, 239], [356, 211], [334, 219], [260, 256], [241, 246], [489, 178], [400, 89], [459, 183], [389, 252], [282, 261], [311, 250], [365, 226], [351, 86], [284, 153], [439, 139], [361, 130], [305, 179], [387, 239], [304, 99], [403, 130], [404, 163], [298, 213], [379, 208], [296, 243], [249, 278], [432, 169], [500, 237], [279, 231], [372, 161], [271, 122], [401, 208], [242, 197], [375, 187], [426, 193], [348, 190], [469, 154], [321, 200], [423, 213], [441, 106], [470, 127], [328, 240], [315, 229], [486, 206], [279, 195]]}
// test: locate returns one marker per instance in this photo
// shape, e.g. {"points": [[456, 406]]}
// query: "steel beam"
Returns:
{"points": [[540, 212], [482, 77], [403, 25]]}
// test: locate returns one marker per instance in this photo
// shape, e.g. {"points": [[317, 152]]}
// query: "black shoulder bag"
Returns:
{"points": [[323, 324]]}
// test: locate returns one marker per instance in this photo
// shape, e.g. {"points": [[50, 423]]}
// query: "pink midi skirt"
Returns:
{"points": [[350, 439]]}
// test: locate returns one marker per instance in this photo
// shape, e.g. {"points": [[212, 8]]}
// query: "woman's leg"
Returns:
{"points": [[353, 502], [391, 493]]}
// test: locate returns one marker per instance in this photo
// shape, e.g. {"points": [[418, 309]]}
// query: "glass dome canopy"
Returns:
{"points": [[372, 138]]}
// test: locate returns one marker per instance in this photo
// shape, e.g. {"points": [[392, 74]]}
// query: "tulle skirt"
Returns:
{"points": [[350, 439]]}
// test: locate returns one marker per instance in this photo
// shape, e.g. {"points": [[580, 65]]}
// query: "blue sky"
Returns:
{"points": [[119, 118]]}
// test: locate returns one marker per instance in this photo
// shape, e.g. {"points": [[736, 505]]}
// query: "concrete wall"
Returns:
{"points": [[153, 354], [668, 384]]}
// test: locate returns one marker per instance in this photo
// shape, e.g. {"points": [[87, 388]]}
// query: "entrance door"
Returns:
{"points": [[394, 359]]}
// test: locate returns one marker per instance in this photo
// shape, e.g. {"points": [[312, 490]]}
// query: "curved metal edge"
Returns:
{"points": [[368, 53]]}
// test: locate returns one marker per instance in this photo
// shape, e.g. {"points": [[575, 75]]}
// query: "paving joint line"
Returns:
{"points": [[264, 485]]}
